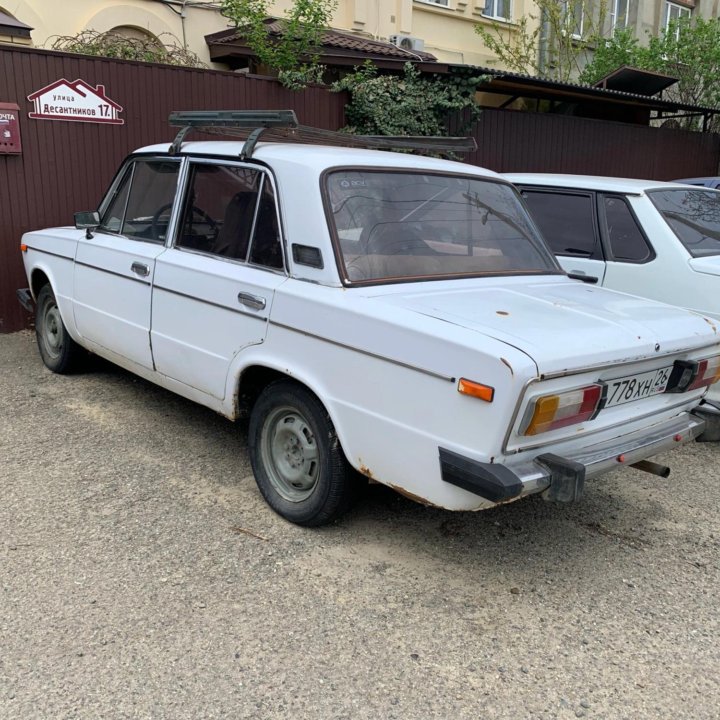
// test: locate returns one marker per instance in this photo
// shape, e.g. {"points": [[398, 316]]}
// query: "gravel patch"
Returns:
{"points": [[143, 576]]}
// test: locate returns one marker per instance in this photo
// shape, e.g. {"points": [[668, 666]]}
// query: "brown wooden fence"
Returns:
{"points": [[66, 166], [539, 142]]}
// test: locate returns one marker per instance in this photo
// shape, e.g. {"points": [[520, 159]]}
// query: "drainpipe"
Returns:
{"points": [[544, 42], [182, 24]]}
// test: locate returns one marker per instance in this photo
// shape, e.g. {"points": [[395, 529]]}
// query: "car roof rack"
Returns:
{"points": [[282, 125]]}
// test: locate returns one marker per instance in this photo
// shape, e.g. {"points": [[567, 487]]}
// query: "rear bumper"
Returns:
{"points": [[26, 299], [563, 477]]}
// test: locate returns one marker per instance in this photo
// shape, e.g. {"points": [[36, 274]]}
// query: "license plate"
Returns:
{"points": [[635, 387]]}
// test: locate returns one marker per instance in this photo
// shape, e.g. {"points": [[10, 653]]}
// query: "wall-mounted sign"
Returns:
{"points": [[77, 101], [9, 129]]}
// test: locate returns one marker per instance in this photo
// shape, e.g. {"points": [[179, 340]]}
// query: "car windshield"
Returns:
{"points": [[405, 225], [694, 216]]}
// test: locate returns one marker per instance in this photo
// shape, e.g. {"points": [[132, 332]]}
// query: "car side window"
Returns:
{"points": [[142, 203], [566, 221], [266, 244], [625, 238], [228, 210]]}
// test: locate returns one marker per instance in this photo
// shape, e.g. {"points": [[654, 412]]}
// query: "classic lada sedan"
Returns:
{"points": [[374, 314]]}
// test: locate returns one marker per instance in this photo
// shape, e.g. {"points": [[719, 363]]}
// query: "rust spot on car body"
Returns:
{"points": [[412, 496], [710, 323], [366, 471], [509, 366]]}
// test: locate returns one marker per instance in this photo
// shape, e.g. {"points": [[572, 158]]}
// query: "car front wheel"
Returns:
{"points": [[296, 457], [58, 350]]}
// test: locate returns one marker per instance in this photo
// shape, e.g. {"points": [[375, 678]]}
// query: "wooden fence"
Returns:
{"points": [[66, 166]]}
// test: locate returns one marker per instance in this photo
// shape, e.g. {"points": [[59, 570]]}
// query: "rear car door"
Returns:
{"points": [[115, 265], [568, 221], [214, 287], [631, 259]]}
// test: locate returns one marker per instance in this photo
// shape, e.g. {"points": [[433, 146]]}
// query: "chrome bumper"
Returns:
{"points": [[562, 477]]}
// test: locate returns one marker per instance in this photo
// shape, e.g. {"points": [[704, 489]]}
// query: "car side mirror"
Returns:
{"points": [[87, 221]]}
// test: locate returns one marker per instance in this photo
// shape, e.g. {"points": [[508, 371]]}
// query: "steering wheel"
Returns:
{"points": [[158, 224]]}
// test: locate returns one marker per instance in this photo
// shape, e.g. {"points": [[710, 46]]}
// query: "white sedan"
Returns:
{"points": [[373, 313], [655, 239]]}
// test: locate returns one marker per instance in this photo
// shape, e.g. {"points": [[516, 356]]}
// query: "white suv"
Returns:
{"points": [[374, 313]]}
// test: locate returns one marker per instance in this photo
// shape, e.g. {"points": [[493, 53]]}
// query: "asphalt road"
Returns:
{"points": [[142, 576]]}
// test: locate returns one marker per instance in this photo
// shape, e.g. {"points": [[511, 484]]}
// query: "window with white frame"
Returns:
{"points": [[444, 3], [574, 16], [619, 14], [498, 9], [675, 12]]}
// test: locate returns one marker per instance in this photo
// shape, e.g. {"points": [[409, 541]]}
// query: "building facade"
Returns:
{"points": [[444, 28]]}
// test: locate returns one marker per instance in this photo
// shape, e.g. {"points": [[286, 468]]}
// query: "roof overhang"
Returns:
{"points": [[518, 85], [12, 27], [337, 49]]}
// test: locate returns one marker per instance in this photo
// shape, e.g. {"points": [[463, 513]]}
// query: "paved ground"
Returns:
{"points": [[142, 576]]}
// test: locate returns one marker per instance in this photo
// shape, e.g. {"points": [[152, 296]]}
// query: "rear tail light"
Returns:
{"points": [[690, 374], [550, 412], [707, 374]]}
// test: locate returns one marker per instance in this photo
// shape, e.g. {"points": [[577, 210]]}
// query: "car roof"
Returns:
{"points": [[590, 182], [322, 157], [699, 180]]}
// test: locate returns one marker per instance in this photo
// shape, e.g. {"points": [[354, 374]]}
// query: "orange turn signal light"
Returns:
{"points": [[476, 390], [23, 248]]}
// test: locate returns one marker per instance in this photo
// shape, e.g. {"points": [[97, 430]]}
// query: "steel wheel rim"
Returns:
{"points": [[290, 454], [52, 330]]}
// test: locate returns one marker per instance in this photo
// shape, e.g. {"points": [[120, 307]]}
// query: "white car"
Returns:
{"points": [[374, 313], [655, 239]]}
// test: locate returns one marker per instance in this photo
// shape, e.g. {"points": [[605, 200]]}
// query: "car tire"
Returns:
{"points": [[58, 350], [296, 457]]}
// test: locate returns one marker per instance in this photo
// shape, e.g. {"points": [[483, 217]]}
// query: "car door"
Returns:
{"points": [[214, 287], [114, 265], [567, 220], [632, 264]]}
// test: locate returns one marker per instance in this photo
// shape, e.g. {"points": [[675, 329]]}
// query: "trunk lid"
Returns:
{"points": [[563, 325]]}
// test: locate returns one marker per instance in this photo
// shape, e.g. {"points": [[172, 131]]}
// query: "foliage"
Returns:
{"points": [[611, 53], [553, 43], [112, 45], [689, 50], [407, 104], [294, 54]]}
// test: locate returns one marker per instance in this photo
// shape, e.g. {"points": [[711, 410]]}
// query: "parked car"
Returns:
{"points": [[655, 239], [371, 312], [711, 182]]}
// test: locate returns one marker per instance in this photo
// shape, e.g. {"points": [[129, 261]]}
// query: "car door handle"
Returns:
{"points": [[140, 269], [252, 301]]}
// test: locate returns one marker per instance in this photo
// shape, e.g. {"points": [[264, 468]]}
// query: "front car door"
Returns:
{"points": [[215, 285], [114, 268], [568, 221]]}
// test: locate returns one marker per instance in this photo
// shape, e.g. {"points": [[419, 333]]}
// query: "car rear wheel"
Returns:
{"points": [[58, 350], [296, 457]]}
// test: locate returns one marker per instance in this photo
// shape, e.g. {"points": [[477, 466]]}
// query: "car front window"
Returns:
{"points": [[694, 217], [140, 205], [413, 225]]}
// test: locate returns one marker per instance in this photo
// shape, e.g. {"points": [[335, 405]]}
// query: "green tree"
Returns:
{"points": [[407, 104], [554, 42], [689, 49], [294, 54], [112, 45]]}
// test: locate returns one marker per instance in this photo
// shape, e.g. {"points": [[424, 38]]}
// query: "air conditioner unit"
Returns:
{"points": [[408, 42]]}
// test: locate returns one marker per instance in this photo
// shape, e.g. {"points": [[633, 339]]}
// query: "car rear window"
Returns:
{"points": [[694, 216], [412, 225]]}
